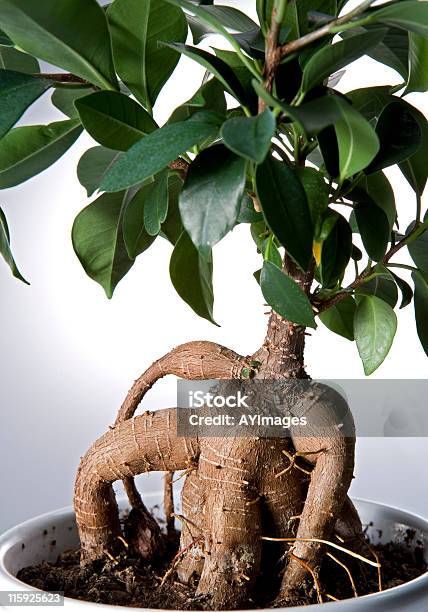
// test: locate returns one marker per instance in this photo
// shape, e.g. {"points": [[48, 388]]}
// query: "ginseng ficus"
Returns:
{"points": [[286, 153]]}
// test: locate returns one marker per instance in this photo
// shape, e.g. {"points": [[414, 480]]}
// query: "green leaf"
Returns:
{"points": [[285, 296], [312, 117], [418, 64], [93, 167], [191, 274], [399, 135], [382, 286], [172, 227], [12, 59], [154, 152], [17, 92], [247, 212], [378, 187], [211, 197], [406, 290], [373, 225], [228, 16], [27, 151], [114, 120], [216, 66], [418, 250], [98, 241], [421, 308], [137, 29], [156, 205], [210, 97], [332, 58], [64, 98], [5, 250], [286, 210], [336, 239], [72, 34], [357, 141], [415, 168], [375, 325], [317, 193], [410, 15], [136, 238], [250, 137], [340, 318]]}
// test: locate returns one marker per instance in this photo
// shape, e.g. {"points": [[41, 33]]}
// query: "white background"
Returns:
{"points": [[68, 355]]}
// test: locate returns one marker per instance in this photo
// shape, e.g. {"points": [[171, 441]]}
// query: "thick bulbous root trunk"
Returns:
{"points": [[237, 491]]}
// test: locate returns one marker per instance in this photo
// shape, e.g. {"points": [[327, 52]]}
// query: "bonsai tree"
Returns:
{"points": [[290, 156]]}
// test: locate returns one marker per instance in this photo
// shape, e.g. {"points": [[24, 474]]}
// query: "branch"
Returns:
{"points": [[361, 278], [63, 77], [329, 28]]}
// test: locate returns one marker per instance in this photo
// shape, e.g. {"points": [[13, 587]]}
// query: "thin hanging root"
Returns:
{"points": [[327, 543], [190, 469], [331, 597], [186, 522], [124, 542], [168, 502], [347, 570], [312, 573], [292, 459], [177, 558], [379, 564]]}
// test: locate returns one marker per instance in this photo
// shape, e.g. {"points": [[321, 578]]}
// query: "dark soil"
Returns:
{"points": [[130, 582]]}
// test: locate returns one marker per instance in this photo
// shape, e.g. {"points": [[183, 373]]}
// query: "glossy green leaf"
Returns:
{"points": [[378, 187], [135, 235], [285, 296], [271, 252], [172, 227], [114, 120], [93, 167], [418, 64], [230, 17], [410, 15], [421, 308], [317, 193], [12, 59], [154, 152], [64, 98], [418, 250], [331, 58], [406, 290], [72, 34], [286, 210], [336, 238], [250, 137], [5, 250], [211, 197], [209, 97], [191, 274], [382, 286], [247, 212], [399, 135], [373, 225], [415, 168], [17, 92], [312, 117], [216, 66], [340, 318], [27, 151], [375, 325], [137, 29], [156, 205], [98, 241], [357, 141]]}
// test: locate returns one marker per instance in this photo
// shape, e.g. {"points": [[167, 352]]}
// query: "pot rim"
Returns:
{"points": [[11, 536]]}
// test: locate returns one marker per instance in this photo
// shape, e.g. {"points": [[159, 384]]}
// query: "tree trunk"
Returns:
{"points": [[238, 490]]}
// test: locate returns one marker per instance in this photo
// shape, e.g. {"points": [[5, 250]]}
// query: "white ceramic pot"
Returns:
{"points": [[45, 537]]}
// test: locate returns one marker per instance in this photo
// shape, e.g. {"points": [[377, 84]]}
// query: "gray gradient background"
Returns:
{"points": [[69, 355]]}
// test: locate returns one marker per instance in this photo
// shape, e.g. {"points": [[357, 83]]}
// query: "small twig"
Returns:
{"points": [[312, 573], [327, 543], [168, 503], [62, 77], [376, 556]]}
